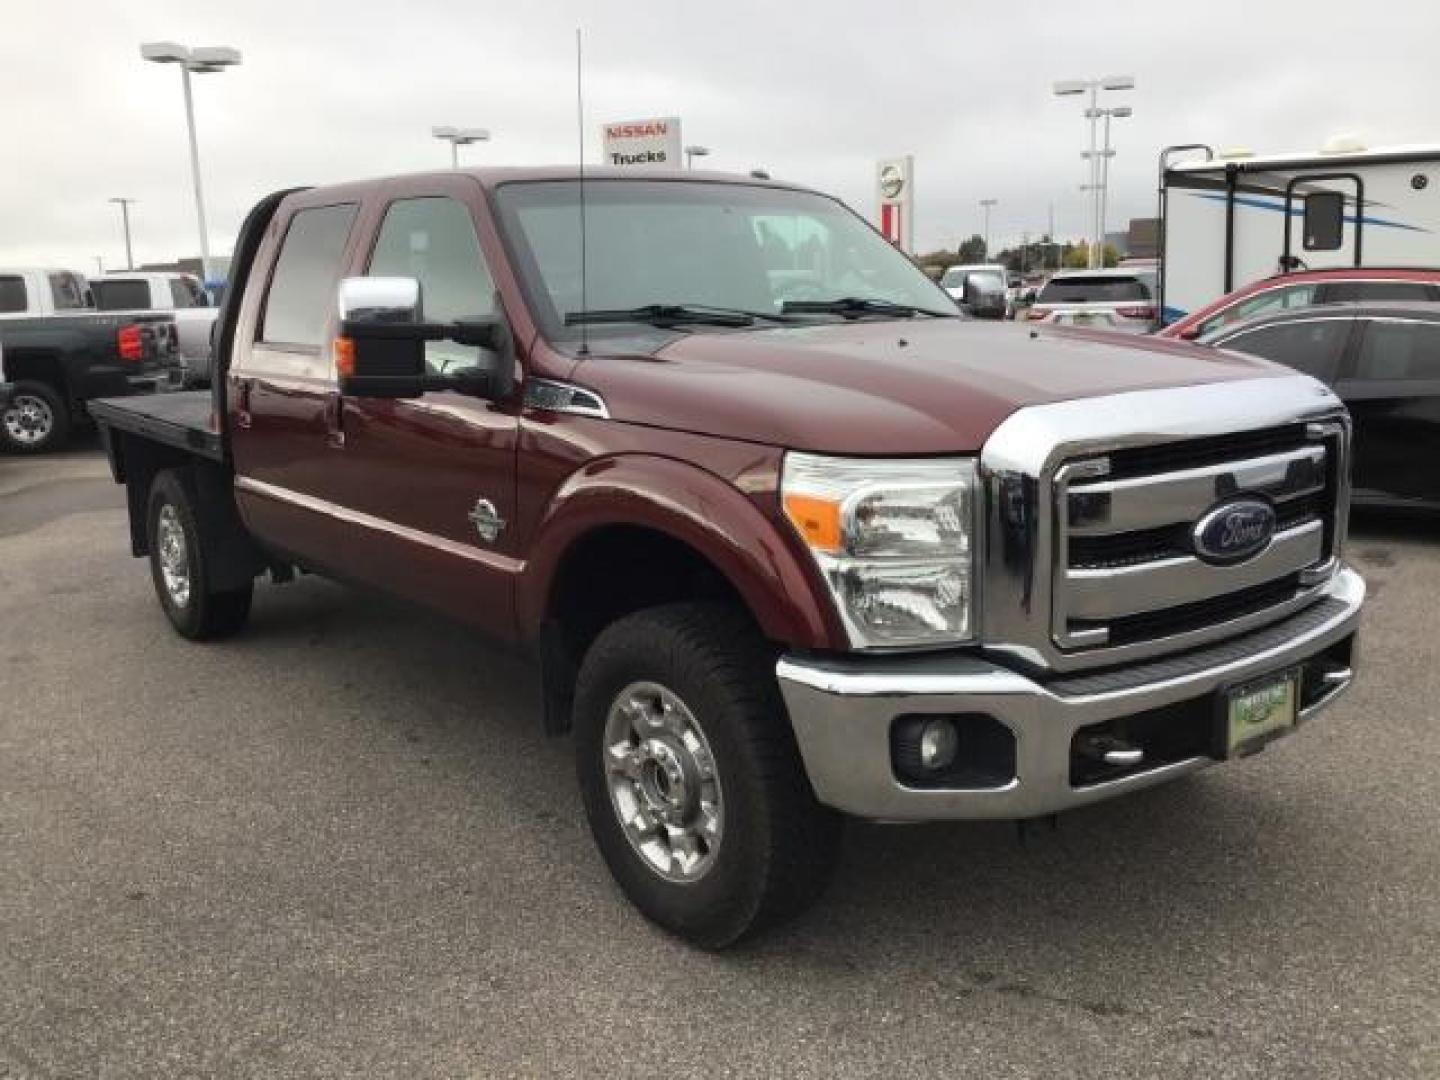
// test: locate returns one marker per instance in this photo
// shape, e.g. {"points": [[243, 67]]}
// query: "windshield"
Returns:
{"points": [[698, 244], [1090, 290]]}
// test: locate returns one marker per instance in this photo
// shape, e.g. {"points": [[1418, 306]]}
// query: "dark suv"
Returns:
{"points": [[1383, 359]]}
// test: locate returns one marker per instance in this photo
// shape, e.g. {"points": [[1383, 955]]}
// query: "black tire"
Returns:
{"points": [[778, 845], [204, 613], [36, 420]]}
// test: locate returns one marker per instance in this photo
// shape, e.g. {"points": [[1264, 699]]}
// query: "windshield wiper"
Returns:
{"points": [[667, 315], [854, 307]]}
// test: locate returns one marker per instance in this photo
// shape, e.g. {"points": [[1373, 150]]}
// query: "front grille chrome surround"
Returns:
{"points": [[1088, 532]]}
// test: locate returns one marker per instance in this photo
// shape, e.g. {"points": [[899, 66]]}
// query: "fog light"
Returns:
{"points": [[938, 744]]}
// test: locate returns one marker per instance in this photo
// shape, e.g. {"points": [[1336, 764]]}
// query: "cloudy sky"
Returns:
{"points": [[813, 91]]}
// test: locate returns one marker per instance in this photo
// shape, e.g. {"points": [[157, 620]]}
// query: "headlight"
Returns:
{"points": [[894, 540]]}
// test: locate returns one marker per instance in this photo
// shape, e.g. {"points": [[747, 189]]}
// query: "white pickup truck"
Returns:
{"points": [[182, 295]]}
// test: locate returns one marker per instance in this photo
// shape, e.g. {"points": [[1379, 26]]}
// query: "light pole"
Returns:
{"points": [[1119, 112], [458, 137], [201, 61], [1092, 87], [987, 204], [692, 152], [125, 221]]}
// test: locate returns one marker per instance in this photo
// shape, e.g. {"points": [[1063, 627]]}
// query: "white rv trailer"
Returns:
{"points": [[1226, 222]]}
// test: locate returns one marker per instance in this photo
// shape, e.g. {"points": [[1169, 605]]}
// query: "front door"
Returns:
{"points": [[431, 481]]}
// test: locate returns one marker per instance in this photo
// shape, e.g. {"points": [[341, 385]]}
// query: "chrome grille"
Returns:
{"points": [[1125, 572]]}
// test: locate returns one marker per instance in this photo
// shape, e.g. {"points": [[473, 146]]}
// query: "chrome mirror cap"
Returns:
{"points": [[380, 299]]}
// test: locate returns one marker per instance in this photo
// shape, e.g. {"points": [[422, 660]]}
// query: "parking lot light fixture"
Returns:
{"points": [[206, 60], [125, 222], [458, 137], [692, 152], [987, 204], [1098, 177]]}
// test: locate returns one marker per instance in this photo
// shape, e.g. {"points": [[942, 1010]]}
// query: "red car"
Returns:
{"points": [[1303, 288]]}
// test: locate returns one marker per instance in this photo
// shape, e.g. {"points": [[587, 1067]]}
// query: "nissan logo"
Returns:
{"points": [[1234, 531]]}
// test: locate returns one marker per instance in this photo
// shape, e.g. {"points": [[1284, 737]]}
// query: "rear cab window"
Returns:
{"points": [[127, 294], [1290, 296], [301, 294], [12, 293], [1097, 289]]}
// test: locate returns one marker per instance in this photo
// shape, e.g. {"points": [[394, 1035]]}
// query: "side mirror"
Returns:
{"points": [[381, 349]]}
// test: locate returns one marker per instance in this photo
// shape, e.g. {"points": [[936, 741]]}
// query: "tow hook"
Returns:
{"points": [[1111, 750]]}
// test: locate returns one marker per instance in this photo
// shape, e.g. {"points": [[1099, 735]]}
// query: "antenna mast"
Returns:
{"points": [[580, 117]]}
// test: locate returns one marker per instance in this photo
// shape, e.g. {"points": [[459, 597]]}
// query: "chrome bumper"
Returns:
{"points": [[842, 710]]}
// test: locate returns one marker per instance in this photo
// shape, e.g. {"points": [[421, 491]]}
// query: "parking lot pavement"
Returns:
{"points": [[340, 846]]}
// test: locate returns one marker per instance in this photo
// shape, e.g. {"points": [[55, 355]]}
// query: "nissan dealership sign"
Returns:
{"points": [[895, 187], [644, 144]]}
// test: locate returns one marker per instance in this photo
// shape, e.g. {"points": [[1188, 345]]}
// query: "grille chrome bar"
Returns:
{"points": [[1129, 590], [1115, 506]]}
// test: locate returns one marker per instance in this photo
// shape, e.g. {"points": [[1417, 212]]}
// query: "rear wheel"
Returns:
{"points": [[692, 782], [180, 570], [35, 420]]}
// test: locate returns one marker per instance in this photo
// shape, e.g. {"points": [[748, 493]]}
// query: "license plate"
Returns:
{"points": [[1081, 320], [1259, 711]]}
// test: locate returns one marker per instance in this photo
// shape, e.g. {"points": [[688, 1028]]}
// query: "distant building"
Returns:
{"points": [[1143, 239]]}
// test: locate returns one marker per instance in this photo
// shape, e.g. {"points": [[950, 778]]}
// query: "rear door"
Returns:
{"points": [[432, 480], [1392, 389], [283, 390]]}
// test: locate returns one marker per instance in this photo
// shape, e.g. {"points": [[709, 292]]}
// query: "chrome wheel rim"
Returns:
{"points": [[29, 420], [664, 787], [174, 559]]}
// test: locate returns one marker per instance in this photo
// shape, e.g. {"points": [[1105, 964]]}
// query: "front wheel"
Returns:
{"points": [[180, 569], [691, 778]]}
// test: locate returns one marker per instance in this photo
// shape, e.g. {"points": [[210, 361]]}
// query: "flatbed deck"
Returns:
{"points": [[184, 419]]}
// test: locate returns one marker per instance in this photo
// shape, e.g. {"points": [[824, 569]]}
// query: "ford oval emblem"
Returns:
{"points": [[1234, 531]]}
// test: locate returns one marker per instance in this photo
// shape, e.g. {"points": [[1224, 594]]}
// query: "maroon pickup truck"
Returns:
{"points": [[788, 536]]}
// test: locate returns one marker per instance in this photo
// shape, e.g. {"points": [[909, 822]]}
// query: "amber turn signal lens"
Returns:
{"points": [[817, 519], [344, 357]]}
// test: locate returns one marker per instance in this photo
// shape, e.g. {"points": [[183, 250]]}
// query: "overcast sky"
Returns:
{"points": [[814, 92]]}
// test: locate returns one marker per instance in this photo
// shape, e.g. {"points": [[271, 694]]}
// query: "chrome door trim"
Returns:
{"points": [[490, 559]]}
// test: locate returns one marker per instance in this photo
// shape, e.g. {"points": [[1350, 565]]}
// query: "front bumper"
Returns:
{"points": [[843, 710]]}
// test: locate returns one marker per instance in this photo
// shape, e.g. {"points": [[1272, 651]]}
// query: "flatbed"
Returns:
{"points": [[184, 419]]}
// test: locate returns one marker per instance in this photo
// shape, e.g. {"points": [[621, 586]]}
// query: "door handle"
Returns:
{"points": [[242, 404], [335, 422]]}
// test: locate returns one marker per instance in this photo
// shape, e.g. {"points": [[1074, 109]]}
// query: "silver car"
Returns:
{"points": [[1104, 299]]}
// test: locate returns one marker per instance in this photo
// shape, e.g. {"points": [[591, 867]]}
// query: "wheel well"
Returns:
{"points": [[606, 575], [28, 365]]}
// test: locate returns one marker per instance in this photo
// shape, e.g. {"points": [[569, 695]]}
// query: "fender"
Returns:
{"points": [[698, 508]]}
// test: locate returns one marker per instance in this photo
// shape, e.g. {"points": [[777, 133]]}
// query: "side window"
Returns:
{"points": [[12, 293], [1313, 346], [1291, 296], [69, 292], [1343, 291], [302, 287], [1324, 220], [1394, 350], [181, 295], [432, 239]]}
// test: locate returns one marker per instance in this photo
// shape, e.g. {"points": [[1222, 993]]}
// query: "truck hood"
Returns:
{"points": [[868, 387]]}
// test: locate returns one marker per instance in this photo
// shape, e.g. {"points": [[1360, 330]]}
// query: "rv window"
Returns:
{"points": [[1324, 220]]}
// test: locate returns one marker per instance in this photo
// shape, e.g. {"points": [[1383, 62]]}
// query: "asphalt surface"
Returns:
{"points": [[340, 846]]}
